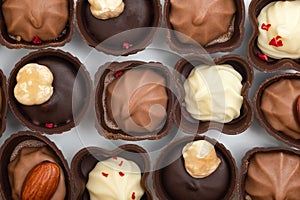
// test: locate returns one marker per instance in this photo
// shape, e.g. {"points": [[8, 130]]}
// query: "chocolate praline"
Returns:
{"points": [[69, 101], [190, 125], [64, 37], [134, 112], [86, 159], [172, 181], [3, 102], [27, 139], [285, 112], [270, 173], [234, 41], [136, 14], [264, 64]]}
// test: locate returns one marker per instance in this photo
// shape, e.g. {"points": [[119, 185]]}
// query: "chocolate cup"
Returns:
{"points": [[252, 49], [6, 40], [165, 159], [115, 134], [71, 95], [189, 125], [138, 38], [247, 159], [234, 42], [7, 150], [4, 102], [86, 159], [260, 115]]}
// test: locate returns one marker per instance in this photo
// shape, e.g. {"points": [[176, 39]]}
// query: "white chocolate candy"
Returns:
{"points": [[115, 179], [34, 84], [279, 30], [200, 158], [213, 93], [105, 9]]}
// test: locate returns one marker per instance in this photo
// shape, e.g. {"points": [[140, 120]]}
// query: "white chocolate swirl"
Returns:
{"points": [[213, 93], [106, 9], [115, 179], [283, 18]]}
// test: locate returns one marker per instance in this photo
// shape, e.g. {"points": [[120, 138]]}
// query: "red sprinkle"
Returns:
{"points": [[115, 157], [121, 163], [118, 74], [265, 26], [121, 174], [262, 56], [36, 40], [49, 125], [133, 196], [126, 45], [276, 42], [104, 174]]}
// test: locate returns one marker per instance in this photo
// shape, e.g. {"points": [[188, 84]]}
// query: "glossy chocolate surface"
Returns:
{"points": [[270, 173], [283, 125], [86, 159], [71, 92], [190, 125], [136, 14], [4, 102], [172, 181], [29, 139]]}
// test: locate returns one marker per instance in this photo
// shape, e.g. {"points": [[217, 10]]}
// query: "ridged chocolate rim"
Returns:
{"points": [[234, 127], [252, 49], [3, 109], [124, 52], [98, 154], [61, 54], [260, 115], [246, 161], [234, 42], [6, 40], [8, 148], [158, 187], [114, 67]]}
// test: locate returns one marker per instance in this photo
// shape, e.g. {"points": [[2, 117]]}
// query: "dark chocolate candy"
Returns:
{"points": [[69, 100]]}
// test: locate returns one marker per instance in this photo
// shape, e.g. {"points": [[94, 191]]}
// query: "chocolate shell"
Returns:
{"points": [[3, 102], [171, 180], [30, 139], [86, 159], [127, 116], [270, 173], [285, 112], [229, 45], [70, 99], [190, 125], [269, 65], [137, 15], [64, 37]]}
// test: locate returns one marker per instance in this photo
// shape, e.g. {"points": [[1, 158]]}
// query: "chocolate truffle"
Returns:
{"points": [[203, 21], [272, 45], [28, 161], [114, 180], [172, 181], [213, 97], [134, 99], [70, 98], [271, 174], [36, 23], [136, 14], [212, 25], [278, 103]]}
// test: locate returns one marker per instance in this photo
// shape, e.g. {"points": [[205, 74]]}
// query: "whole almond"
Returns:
{"points": [[41, 182]]}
